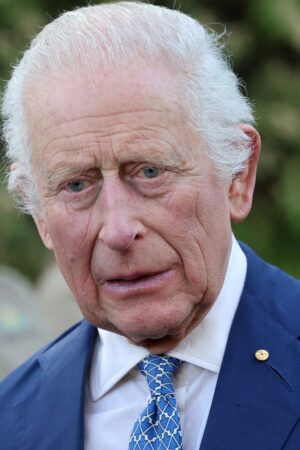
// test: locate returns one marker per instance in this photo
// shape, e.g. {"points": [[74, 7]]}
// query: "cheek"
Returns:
{"points": [[200, 209], [184, 232], [181, 211], [73, 241], [199, 230], [71, 235], [191, 219]]}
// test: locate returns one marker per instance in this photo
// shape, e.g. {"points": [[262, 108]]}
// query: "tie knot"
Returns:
{"points": [[159, 371]]}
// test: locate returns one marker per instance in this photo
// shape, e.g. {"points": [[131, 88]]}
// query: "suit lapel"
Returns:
{"points": [[51, 415], [256, 404]]}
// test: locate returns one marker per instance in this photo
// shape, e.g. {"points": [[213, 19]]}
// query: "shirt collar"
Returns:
{"points": [[204, 347]]}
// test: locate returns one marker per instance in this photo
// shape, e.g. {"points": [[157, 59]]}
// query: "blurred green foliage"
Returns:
{"points": [[263, 41]]}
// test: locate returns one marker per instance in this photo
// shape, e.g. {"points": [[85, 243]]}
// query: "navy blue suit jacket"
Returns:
{"points": [[256, 405]]}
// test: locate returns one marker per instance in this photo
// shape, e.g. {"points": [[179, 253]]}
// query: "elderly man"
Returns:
{"points": [[133, 149]]}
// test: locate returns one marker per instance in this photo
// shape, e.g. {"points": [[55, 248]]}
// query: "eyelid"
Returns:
{"points": [[164, 168], [136, 167]]}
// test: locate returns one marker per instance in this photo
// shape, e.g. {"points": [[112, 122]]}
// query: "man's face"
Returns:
{"points": [[136, 216]]}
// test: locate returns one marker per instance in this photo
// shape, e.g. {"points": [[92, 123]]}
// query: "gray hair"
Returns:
{"points": [[115, 35]]}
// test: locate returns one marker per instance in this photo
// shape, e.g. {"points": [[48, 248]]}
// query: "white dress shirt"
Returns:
{"points": [[117, 393]]}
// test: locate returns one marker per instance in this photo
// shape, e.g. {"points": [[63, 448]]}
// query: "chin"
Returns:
{"points": [[159, 346], [159, 342]]}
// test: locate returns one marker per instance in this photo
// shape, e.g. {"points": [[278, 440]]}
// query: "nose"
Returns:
{"points": [[120, 226]]}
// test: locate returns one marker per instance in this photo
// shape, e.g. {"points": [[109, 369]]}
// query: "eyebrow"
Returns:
{"points": [[154, 158], [140, 150]]}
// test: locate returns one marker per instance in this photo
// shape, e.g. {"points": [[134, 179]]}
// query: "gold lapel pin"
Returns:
{"points": [[262, 355]]}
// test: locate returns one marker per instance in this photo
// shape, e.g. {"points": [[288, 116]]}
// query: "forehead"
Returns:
{"points": [[109, 91], [130, 110]]}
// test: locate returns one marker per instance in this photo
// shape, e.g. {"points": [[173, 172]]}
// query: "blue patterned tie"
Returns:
{"points": [[158, 427]]}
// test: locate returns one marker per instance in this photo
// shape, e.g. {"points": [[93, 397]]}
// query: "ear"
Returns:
{"points": [[43, 231], [40, 223], [241, 188]]}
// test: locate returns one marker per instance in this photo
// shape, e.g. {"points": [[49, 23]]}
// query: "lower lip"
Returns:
{"points": [[143, 285]]}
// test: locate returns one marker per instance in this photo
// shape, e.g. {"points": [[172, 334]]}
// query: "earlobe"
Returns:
{"points": [[43, 232], [241, 188]]}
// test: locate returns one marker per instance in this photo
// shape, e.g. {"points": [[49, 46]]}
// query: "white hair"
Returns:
{"points": [[116, 35]]}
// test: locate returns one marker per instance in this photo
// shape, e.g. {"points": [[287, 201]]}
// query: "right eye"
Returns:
{"points": [[78, 185]]}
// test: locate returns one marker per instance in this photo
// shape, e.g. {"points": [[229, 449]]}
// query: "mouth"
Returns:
{"points": [[136, 283]]}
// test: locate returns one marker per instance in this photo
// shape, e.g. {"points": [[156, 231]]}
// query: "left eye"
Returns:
{"points": [[151, 172], [77, 185]]}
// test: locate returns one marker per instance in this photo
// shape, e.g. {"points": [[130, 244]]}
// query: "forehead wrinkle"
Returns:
{"points": [[154, 156], [147, 145], [145, 138], [106, 117], [151, 152], [95, 134], [133, 135]]}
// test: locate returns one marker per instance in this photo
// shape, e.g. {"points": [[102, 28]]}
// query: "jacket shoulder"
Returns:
{"points": [[43, 388], [21, 379], [277, 292]]}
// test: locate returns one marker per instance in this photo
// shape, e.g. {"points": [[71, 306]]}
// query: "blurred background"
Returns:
{"points": [[263, 42]]}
